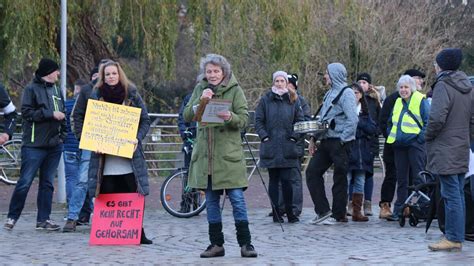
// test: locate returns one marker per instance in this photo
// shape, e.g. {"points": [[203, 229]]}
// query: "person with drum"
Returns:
{"points": [[277, 111]]}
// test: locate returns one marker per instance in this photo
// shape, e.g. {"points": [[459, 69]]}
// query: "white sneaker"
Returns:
{"points": [[9, 224], [320, 218], [329, 221]]}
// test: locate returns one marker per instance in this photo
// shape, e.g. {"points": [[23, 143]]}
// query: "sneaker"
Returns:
{"points": [[445, 245], [248, 251], [70, 226], [9, 224], [48, 225], [213, 251], [393, 218], [334, 221], [82, 221], [319, 218]]}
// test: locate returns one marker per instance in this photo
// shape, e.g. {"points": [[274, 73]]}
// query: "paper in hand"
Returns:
{"points": [[212, 108]]}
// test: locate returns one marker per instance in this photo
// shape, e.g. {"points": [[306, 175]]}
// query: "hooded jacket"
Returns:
{"points": [[40, 100], [218, 148], [344, 113], [451, 124]]}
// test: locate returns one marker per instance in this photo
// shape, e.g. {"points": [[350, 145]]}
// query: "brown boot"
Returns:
{"points": [[357, 216], [385, 211]]}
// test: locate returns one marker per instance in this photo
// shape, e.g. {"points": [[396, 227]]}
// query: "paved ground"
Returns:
{"points": [[179, 241]]}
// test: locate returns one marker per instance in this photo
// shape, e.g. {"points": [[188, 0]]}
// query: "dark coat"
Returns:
{"points": [[451, 124], [96, 165], [78, 112], [373, 104], [40, 129], [274, 120], [362, 156], [307, 117], [386, 111]]}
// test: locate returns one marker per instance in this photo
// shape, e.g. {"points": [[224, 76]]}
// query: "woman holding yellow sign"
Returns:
{"points": [[114, 174], [217, 162]]}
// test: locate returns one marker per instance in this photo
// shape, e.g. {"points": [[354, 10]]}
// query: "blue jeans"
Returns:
{"points": [[80, 189], [32, 159], [71, 168], [452, 192], [359, 179], [237, 200], [369, 186]]}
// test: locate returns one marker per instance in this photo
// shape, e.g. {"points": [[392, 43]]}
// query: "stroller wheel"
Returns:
{"points": [[401, 221], [413, 221]]}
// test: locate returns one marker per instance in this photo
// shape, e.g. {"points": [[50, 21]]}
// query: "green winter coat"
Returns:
{"points": [[218, 148]]}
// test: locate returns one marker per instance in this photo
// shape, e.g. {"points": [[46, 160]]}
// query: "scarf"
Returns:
{"points": [[113, 94], [279, 91]]}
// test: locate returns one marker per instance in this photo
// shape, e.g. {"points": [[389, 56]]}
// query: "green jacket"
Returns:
{"points": [[218, 148]]}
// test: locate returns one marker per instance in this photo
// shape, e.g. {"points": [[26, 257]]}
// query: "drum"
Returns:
{"points": [[309, 127]]}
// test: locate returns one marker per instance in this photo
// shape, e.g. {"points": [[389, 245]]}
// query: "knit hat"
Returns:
{"points": [[95, 70], [364, 76], [449, 59], [280, 74], [46, 66], [293, 79], [414, 73]]}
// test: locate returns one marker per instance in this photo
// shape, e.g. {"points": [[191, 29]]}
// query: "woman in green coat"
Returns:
{"points": [[217, 161]]}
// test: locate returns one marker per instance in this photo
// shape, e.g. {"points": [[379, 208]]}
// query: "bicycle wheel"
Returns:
{"points": [[178, 199], [10, 161]]}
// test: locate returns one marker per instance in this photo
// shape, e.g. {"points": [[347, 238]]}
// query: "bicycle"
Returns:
{"points": [[177, 198], [10, 161]]}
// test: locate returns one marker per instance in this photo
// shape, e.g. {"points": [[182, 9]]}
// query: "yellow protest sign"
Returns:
{"points": [[110, 128]]}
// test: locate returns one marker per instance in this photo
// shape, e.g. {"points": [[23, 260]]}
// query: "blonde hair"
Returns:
{"points": [[124, 81], [293, 95]]}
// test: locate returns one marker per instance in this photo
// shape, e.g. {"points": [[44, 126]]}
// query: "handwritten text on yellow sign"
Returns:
{"points": [[110, 128]]}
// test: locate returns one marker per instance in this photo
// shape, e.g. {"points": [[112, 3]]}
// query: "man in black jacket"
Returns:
{"points": [[44, 131]]}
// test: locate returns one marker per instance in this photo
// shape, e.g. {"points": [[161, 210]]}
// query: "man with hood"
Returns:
{"points": [[44, 131], [340, 112], [449, 130]]}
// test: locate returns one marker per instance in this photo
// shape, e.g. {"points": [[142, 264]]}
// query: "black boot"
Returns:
{"points": [[144, 240], [245, 240], [216, 237]]}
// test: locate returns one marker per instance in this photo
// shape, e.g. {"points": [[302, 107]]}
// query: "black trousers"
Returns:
{"points": [[118, 184], [390, 180], [286, 177], [297, 193], [329, 152]]}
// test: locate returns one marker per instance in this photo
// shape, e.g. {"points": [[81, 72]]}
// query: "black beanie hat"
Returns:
{"points": [[364, 76], [46, 66], [449, 59], [94, 71], [414, 73], [293, 79]]}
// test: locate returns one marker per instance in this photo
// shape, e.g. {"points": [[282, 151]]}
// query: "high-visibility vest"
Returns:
{"points": [[408, 125]]}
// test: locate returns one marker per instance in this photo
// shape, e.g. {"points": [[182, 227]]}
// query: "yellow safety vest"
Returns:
{"points": [[408, 124]]}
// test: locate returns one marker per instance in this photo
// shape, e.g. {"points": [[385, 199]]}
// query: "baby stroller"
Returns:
{"points": [[417, 206]]}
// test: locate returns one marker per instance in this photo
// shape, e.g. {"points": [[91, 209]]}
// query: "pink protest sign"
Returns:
{"points": [[117, 219]]}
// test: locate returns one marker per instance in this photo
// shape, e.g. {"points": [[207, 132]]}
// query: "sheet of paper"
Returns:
{"points": [[212, 108]]}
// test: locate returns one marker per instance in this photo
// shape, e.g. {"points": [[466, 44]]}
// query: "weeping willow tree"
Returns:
{"points": [[159, 42], [140, 34]]}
